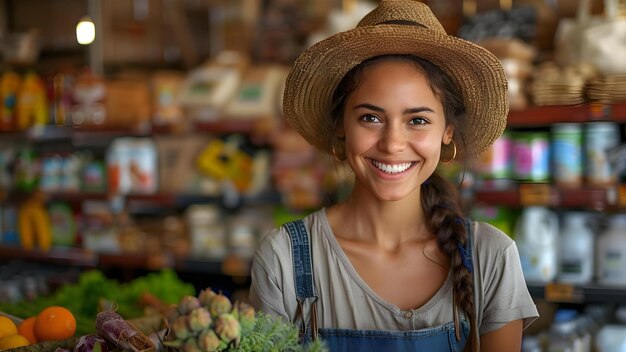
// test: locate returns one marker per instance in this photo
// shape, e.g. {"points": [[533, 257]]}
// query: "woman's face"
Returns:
{"points": [[394, 126]]}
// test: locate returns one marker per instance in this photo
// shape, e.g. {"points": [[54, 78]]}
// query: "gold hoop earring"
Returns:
{"points": [[334, 152], [447, 162]]}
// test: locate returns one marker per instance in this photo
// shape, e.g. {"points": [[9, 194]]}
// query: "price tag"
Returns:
{"points": [[536, 194], [157, 261], [599, 111], [235, 266], [560, 292]]}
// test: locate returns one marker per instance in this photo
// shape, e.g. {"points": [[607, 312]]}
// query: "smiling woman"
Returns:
{"points": [[396, 265], [393, 126]]}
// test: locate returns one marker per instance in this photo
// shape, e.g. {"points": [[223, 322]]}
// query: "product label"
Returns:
{"points": [[567, 160], [613, 265], [531, 159], [571, 266]]}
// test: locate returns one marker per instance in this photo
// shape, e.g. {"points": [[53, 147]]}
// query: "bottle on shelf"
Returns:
{"points": [[600, 137], [611, 252], [576, 243], [536, 232], [567, 154], [563, 337]]}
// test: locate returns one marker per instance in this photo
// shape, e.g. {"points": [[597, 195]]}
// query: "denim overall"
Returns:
{"points": [[438, 338]]}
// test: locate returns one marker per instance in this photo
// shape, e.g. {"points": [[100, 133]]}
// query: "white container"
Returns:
{"points": [[536, 233], [611, 338], [576, 243], [611, 253]]}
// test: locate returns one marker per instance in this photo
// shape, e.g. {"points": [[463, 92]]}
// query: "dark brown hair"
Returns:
{"points": [[439, 198]]}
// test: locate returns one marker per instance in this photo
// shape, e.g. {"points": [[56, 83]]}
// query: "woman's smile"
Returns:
{"points": [[393, 168]]}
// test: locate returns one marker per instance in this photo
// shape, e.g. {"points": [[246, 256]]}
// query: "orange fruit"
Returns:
{"points": [[13, 341], [54, 323], [26, 328], [7, 327]]}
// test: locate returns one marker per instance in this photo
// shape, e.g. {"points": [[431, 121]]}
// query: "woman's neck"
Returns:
{"points": [[389, 224]]}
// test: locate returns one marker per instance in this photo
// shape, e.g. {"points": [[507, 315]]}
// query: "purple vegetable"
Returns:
{"points": [[87, 343], [117, 331]]}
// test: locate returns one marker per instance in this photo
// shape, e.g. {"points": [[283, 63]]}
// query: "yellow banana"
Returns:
{"points": [[41, 223], [34, 223]]}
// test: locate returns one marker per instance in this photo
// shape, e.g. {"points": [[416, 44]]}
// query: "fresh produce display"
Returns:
{"points": [[85, 298], [211, 322], [7, 327], [177, 321], [121, 334], [26, 328], [9, 336], [12, 341], [91, 342], [54, 323]]}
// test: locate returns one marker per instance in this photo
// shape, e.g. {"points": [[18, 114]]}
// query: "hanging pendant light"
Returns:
{"points": [[85, 31]]}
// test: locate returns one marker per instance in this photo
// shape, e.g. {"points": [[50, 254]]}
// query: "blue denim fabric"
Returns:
{"points": [[438, 338]]}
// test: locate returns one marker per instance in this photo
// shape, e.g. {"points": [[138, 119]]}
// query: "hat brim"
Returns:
{"points": [[317, 72]]}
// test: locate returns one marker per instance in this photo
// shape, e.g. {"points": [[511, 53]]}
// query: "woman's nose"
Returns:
{"points": [[393, 139]]}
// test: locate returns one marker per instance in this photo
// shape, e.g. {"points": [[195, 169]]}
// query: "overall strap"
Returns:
{"points": [[303, 277]]}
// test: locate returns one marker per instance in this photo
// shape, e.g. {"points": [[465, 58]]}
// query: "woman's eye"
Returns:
{"points": [[418, 121], [370, 118]]}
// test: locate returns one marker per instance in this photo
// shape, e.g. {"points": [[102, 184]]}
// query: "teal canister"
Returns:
{"points": [[600, 138], [567, 154]]}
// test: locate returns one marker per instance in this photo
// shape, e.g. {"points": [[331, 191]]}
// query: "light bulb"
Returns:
{"points": [[85, 31]]}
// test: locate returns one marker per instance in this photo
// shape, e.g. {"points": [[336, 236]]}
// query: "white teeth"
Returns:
{"points": [[391, 169]]}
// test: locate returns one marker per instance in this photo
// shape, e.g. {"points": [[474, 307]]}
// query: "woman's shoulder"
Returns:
{"points": [[488, 238], [278, 242]]}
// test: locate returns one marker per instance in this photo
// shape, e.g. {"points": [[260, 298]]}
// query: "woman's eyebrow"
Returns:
{"points": [[407, 111]]}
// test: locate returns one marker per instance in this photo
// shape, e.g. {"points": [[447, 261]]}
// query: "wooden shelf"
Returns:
{"points": [[548, 195], [65, 256], [542, 116], [143, 261], [252, 126], [568, 293]]}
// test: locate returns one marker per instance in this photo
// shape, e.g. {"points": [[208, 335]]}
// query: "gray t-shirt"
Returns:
{"points": [[346, 301]]}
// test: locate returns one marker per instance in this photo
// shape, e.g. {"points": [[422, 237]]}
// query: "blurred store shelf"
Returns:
{"points": [[65, 256], [541, 116], [529, 194], [230, 266], [570, 293]]}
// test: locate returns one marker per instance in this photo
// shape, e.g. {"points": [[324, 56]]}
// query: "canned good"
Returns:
{"points": [[530, 156], [600, 137], [495, 162], [567, 154]]}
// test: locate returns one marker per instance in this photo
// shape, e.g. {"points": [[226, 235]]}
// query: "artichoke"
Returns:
{"points": [[206, 296], [191, 345], [220, 304], [187, 304], [199, 319], [180, 328], [227, 327], [208, 341], [245, 310]]}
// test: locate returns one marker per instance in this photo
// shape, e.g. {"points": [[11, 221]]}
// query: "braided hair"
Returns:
{"points": [[439, 199]]}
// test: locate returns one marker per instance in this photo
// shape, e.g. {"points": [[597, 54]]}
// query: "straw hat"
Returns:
{"points": [[396, 27]]}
